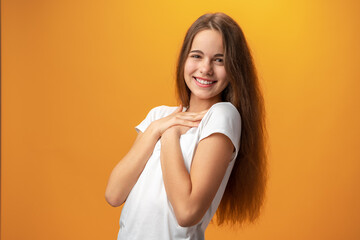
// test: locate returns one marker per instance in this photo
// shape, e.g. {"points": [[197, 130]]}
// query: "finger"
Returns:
{"points": [[190, 117], [196, 113], [187, 123], [202, 113], [179, 109], [198, 117]]}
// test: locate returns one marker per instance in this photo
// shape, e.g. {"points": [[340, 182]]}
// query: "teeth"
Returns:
{"points": [[203, 81]]}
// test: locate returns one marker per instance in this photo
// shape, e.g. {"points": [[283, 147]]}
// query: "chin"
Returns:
{"points": [[205, 97]]}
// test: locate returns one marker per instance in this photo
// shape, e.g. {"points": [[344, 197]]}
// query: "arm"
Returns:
{"points": [[191, 194], [127, 171]]}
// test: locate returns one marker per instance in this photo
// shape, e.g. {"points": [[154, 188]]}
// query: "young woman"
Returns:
{"points": [[204, 156]]}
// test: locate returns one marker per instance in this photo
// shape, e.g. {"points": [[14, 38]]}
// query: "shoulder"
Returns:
{"points": [[160, 112], [224, 110], [222, 118], [154, 114]]}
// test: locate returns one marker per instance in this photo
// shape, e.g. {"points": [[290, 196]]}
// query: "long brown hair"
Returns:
{"points": [[245, 191]]}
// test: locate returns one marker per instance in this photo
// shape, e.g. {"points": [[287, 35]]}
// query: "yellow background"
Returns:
{"points": [[77, 76]]}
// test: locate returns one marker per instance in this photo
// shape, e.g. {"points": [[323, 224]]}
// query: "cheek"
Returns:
{"points": [[223, 74], [189, 67]]}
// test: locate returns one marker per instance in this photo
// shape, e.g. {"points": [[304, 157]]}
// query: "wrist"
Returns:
{"points": [[171, 133], [153, 131]]}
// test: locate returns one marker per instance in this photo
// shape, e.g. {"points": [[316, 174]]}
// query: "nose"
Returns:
{"points": [[206, 67]]}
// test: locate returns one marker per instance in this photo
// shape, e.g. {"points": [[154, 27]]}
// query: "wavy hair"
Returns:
{"points": [[244, 194]]}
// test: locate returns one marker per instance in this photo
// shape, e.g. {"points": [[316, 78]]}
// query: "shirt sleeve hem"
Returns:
{"points": [[227, 134]]}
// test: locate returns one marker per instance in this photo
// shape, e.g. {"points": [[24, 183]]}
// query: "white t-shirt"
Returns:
{"points": [[147, 213]]}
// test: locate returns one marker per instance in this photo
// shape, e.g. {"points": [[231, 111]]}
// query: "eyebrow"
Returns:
{"points": [[216, 55]]}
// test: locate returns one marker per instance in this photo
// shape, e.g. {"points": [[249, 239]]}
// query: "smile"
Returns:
{"points": [[204, 83]]}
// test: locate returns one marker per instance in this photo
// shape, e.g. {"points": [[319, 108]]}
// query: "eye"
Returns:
{"points": [[195, 56], [219, 61]]}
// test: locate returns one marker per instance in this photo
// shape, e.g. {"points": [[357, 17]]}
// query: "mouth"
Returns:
{"points": [[203, 82]]}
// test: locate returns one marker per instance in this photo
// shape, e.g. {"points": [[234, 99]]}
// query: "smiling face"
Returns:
{"points": [[204, 70]]}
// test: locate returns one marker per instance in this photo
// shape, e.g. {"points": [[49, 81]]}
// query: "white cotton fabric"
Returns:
{"points": [[147, 213]]}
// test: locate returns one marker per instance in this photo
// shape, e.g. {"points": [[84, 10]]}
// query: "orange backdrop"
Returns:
{"points": [[77, 76]]}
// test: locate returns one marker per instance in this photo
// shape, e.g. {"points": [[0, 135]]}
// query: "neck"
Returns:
{"points": [[198, 105]]}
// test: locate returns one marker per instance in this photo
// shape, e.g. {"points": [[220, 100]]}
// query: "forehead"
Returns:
{"points": [[209, 41]]}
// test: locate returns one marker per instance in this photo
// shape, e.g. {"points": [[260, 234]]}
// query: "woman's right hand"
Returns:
{"points": [[188, 119]]}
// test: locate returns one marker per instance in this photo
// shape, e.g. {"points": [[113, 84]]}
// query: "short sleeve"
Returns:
{"points": [[154, 114], [223, 118], [146, 122]]}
